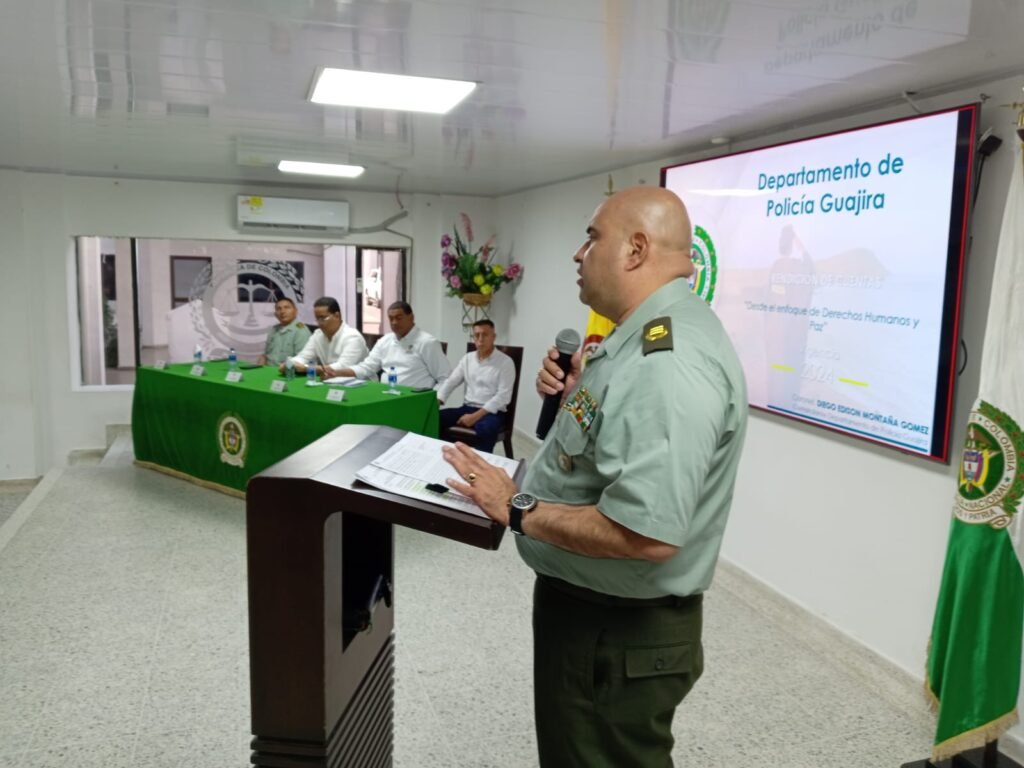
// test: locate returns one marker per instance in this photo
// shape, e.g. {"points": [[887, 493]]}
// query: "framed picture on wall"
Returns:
{"points": [[184, 271]]}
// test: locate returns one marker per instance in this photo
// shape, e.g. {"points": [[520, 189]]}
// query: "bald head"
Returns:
{"points": [[638, 241], [658, 213]]}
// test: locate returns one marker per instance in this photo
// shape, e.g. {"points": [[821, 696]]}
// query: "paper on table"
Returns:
{"points": [[340, 380], [420, 457]]}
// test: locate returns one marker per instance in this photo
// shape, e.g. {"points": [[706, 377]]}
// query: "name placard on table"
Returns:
{"points": [[197, 370], [279, 386], [233, 376], [336, 395]]}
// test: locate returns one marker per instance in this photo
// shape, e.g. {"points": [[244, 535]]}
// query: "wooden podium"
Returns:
{"points": [[321, 613]]}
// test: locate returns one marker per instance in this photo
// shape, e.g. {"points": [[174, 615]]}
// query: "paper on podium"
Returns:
{"points": [[415, 462]]}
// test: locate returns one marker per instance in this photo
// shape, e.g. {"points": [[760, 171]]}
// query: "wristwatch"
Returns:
{"points": [[518, 506]]}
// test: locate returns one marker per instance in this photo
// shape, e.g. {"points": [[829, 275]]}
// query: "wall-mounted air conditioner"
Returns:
{"points": [[285, 215]]}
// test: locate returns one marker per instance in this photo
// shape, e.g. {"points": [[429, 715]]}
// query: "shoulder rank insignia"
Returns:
{"points": [[658, 335], [300, 324]]}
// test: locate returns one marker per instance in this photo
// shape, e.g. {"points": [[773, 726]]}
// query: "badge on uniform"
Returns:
{"points": [[564, 461], [657, 335], [583, 408]]}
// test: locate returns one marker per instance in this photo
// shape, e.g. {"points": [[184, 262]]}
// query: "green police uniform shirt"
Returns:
{"points": [[651, 435], [285, 341]]}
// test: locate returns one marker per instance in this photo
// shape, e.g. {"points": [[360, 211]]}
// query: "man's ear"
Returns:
{"points": [[639, 250]]}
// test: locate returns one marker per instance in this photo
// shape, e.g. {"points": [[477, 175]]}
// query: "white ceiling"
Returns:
{"points": [[216, 89]]}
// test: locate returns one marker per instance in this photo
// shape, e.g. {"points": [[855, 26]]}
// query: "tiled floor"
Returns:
{"points": [[123, 640], [12, 493]]}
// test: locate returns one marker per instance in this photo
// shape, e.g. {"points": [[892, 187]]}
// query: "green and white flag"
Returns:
{"points": [[974, 657]]}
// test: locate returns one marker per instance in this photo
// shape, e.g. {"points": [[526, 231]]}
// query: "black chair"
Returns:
{"points": [[467, 435]]}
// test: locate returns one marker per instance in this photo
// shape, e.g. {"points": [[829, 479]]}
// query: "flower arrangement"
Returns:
{"points": [[472, 272]]}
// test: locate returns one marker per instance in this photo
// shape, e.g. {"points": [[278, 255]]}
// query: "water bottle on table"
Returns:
{"points": [[197, 355], [310, 375], [289, 369], [232, 359], [392, 381]]}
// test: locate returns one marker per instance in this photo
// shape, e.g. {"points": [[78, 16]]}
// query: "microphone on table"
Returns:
{"points": [[566, 342]]}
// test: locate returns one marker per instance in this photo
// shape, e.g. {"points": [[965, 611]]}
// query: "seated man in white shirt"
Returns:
{"points": [[415, 355], [333, 347], [489, 375]]}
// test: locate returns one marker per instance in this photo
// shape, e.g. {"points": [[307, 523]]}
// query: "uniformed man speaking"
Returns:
{"points": [[625, 505]]}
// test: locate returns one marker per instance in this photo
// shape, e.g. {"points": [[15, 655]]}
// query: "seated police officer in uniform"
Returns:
{"points": [[625, 504], [489, 375], [333, 346], [415, 355], [288, 337]]}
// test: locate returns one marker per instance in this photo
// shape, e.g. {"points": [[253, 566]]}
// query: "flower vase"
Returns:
{"points": [[476, 299], [474, 307]]}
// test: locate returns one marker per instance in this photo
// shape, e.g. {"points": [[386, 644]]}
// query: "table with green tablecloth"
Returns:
{"points": [[222, 433]]}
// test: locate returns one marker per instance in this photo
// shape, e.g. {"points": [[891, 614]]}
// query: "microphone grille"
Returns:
{"points": [[568, 341]]}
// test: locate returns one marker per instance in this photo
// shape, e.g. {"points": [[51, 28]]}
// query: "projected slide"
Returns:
{"points": [[833, 263]]}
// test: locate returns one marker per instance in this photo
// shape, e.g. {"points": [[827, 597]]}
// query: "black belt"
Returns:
{"points": [[600, 598]]}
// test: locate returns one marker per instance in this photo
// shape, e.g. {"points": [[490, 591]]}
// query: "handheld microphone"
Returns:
{"points": [[566, 342]]}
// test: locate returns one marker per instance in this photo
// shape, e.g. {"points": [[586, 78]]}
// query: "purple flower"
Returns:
{"points": [[513, 270], [445, 241], [446, 259], [468, 226], [455, 282]]}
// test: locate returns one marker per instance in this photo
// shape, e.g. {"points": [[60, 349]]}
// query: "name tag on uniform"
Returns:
{"points": [[336, 395], [197, 370], [233, 376], [279, 386]]}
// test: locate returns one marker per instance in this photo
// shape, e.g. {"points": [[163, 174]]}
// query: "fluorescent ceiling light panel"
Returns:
{"points": [[320, 169], [349, 88]]}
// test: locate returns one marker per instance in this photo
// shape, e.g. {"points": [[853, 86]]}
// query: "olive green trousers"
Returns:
{"points": [[608, 674]]}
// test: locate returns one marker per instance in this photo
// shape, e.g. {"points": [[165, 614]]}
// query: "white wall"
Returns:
{"points": [[853, 532], [17, 394], [43, 415]]}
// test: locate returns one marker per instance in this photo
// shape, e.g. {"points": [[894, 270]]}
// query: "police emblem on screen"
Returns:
{"points": [[705, 265], [232, 439], [990, 488]]}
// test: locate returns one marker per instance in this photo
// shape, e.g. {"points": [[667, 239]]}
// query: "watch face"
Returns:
{"points": [[524, 501]]}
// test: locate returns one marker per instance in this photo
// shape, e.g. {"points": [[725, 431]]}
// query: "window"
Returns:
{"points": [[106, 322], [142, 300], [383, 283]]}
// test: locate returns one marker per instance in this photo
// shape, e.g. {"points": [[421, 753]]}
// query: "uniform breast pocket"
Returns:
{"points": [[571, 438], [573, 483]]}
